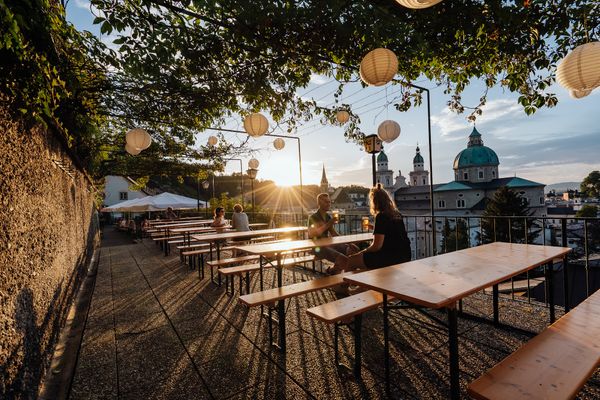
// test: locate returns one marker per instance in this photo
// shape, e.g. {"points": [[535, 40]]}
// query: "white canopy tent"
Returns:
{"points": [[156, 203]]}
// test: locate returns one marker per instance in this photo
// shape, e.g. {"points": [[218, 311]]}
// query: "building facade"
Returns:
{"points": [[117, 189]]}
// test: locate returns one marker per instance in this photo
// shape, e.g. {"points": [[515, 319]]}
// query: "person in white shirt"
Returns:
{"points": [[239, 219]]}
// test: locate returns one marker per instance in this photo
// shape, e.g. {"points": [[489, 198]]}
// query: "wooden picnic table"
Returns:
{"points": [[439, 282], [276, 250], [178, 224]]}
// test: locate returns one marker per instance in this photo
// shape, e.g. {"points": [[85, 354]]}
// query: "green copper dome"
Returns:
{"points": [[476, 154], [381, 157], [418, 158]]}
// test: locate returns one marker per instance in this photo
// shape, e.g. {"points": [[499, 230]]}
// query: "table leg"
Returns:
{"points": [[386, 344], [281, 324], [260, 271], [218, 246], [566, 284], [279, 271], [453, 347], [357, 345], [495, 301], [550, 286], [166, 247]]}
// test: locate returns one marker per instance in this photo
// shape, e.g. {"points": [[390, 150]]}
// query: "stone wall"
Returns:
{"points": [[47, 233]]}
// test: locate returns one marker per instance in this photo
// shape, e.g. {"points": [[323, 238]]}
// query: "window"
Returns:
{"points": [[442, 204], [460, 203], [415, 182], [542, 201], [424, 183], [480, 173], [460, 195], [493, 174], [387, 181], [466, 176], [122, 195]]}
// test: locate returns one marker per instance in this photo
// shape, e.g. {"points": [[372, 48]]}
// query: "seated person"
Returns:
{"points": [[390, 242], [239, 219], [219, 220], [170, 214], [320, 225]]}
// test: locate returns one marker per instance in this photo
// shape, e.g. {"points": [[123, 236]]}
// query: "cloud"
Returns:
{"points": [[318, 79], [85, 4]]}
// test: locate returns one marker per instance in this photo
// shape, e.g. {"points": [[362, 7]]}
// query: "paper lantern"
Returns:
{"points": [[580, 69], [378, 67], [256, 124], [253, 163], [138, 139], [578, 94], [418, 3], [212, 141], [279, 143], [131, 150], [342, 116], [388, 131]]}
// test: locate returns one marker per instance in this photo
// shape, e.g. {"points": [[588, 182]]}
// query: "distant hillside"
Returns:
{"points": [[562, 186]]}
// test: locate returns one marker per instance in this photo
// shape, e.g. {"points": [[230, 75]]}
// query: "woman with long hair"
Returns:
{"points": [[390, 242]]}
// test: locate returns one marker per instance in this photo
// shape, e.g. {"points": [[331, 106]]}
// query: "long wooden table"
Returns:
{"points": [[276, 250], [439, 282]]}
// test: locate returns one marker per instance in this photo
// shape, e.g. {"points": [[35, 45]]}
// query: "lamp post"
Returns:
{"points": [[205, 186], [373, 146], [252, 175]]}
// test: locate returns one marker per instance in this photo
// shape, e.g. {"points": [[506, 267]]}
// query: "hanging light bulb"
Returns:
{"points": [[579, 94], [388, 131], [253, 163], [138, 139], [212, 141], [580, 69], [132, 150], [342, 116], [279, 143], [417, 4]]}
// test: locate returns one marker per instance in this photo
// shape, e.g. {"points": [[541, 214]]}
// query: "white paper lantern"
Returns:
{"points": [[378, 67], [342, 116], [138, 139], [418, 3], [256, 124], [279, 143], [131, 150], [212, 141], [578, 94], [253, 163], [388, 131], [580, 69]]}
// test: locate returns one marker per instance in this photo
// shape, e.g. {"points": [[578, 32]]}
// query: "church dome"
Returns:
{"points": [[381, 157], [418, 157], [476, 154]]}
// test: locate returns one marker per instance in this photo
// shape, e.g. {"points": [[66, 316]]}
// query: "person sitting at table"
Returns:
{"points": [[239, 219], [170, 214], [390, 242], [219, 220], [320, 225]]}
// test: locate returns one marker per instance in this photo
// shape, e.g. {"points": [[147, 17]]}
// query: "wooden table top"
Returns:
{"points": [[176, 221], [274, 248], [442, 280], [196, 229], [183, 224], [247, 234]]}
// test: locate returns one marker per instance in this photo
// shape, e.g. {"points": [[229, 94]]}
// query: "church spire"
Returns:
{"points": [[324, 181]]}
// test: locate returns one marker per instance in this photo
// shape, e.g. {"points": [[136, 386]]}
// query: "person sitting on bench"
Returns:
{"points": [[390, 242]]}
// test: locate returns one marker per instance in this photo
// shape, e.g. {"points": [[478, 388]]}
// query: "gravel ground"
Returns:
{"points": [[156, 331]]}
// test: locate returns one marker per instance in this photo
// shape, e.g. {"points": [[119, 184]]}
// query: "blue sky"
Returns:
{"points": [[553, 145]]}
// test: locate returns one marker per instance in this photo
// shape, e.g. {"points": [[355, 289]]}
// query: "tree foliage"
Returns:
{"points": [[590, 186], [456, 237], [587, 210], [508, 203]]}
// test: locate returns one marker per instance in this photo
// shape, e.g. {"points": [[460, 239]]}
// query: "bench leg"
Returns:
{"points": [[247, 283], [336, 335], [357, 346], [453, 347], [386, 344], [495, 303], [270, 316]]}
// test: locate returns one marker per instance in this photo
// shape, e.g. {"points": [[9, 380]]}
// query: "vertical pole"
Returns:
{"points": [[550, 285], [373, 169], [431, 202], [198, 193], [242, 179], [453, 347], [300, 166], [386, 344]]}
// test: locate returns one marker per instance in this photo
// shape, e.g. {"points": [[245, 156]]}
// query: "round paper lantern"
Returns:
{"points": [[131, 150], [256, 124], [580, 69], [138, 139], [378, 67], [342, 116], [388, 131], [212, 141], [578, 94], [253, 163], [279, 143], [418, 3]]}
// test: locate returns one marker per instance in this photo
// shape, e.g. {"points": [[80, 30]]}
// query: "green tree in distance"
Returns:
{"points": [[590, 186], [455, 238], [505, 203], [587, 210]]}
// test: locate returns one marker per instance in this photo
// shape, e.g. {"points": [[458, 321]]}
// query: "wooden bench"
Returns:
{"points": [[553, 365], [348, 311], [246, 269], [280, 294]]}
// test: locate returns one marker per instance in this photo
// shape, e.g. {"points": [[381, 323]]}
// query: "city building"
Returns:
{"points": [[324, 182], [118, 189]]}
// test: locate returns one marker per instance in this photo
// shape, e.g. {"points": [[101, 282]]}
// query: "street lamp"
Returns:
{"points": [[373, 146], [252, 175], [205, 186]]}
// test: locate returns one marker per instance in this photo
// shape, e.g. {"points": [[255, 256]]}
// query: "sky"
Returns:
{"points": [[553, 145]]}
